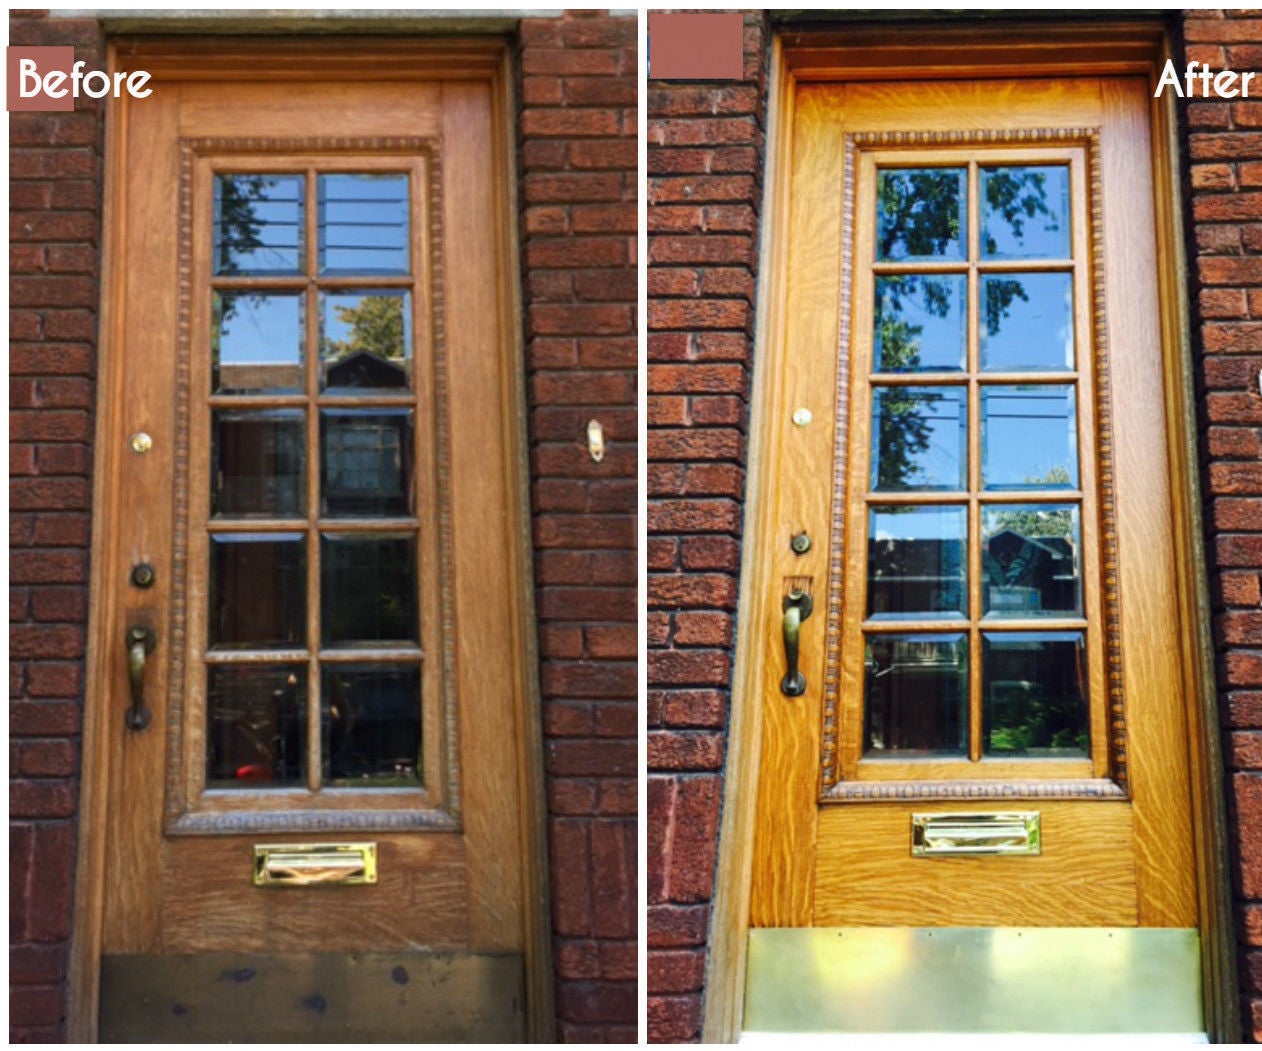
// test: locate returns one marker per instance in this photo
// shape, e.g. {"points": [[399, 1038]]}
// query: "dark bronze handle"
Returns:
{"points": [[140, 642], [797, 607]]}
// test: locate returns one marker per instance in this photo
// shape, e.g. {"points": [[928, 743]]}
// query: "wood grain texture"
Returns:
{"points": [[780, 892], [865, 875], [1157, 727], [464, 876]]}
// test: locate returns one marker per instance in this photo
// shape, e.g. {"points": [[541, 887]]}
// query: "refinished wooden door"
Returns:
{"points": [[969, 541], [313, 767]]}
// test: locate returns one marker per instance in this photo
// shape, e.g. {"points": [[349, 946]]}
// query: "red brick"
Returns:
{"points": [[685, 750], [568, 62], [678, 971], [694, 709], [1247, 793], [674, 1019], [677, 925], [688, 668], [591, 758]]}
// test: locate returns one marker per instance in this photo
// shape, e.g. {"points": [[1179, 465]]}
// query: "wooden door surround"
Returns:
{"points": [[769, 878], [165, 854]]}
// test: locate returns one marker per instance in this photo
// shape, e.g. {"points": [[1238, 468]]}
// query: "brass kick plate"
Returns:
{"points": [[314, 864], [946, 835]]}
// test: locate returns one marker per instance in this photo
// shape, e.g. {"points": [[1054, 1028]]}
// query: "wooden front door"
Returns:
{"points": [[312, 768], [968, 643]]}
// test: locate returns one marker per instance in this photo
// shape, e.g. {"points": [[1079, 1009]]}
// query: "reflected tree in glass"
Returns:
{"points": [[921, 213], [1017, 196]]}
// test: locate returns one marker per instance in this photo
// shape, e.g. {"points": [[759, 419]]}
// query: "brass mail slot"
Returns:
{"points": [[943, 835], [314, 864]]}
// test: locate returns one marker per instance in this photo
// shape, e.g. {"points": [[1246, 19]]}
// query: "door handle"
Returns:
{"points": [[140, 642], [797, 607]]}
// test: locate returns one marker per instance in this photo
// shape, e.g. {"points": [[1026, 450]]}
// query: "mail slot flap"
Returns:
{"points": [[309, 864], [1011, 833]]}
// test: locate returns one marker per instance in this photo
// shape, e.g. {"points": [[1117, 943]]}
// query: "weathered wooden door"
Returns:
{"points": [[313, 769], [974, 757]]}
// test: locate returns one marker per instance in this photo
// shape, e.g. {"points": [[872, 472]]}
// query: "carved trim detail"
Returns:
{"points": [[831, 729], [884, 791], [182, 814], [831, 786]]}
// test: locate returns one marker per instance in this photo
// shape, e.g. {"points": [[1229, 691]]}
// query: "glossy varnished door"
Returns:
{"points": [[309, 433], [967, 418]]}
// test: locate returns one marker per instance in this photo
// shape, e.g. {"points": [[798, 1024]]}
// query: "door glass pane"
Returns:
{"points": [[363, 223], [919, 322], [1034, 688], [259, 225], [1030, 560], [365, 340], [916, 687], [1027, 322], [257, 463], [1028, 438], [916, 561], [1025, 212], [920, 439], [256, 342], [921, 213], [258, 726], [371, 716], [258, 590], [368, 589], [366, 462]]}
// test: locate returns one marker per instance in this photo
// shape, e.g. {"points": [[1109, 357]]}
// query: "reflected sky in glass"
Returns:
{"points": [[256, 342], [920, 440], [1027, 322], [1028, 437], [1025, 212], [920, 322], [921, 213], [363, 223], [259, 225]]}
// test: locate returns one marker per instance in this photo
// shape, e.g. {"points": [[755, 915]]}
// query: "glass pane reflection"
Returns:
{"points": [[1028, 438], [920, 323], [368, 589], [363, 223], [365, 340], [921, 438], [916, 561], [1025, 212], [1030, 560], [921, 213], [257, 463], [371, 716], [1027, 322], [258, 224], [916, 690], [1034, 688], [258, 589], [257, 726], [256, 342], [366, 462]]}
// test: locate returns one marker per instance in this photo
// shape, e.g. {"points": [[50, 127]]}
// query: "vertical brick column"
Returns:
{"points": [[579, 203], [705, 160], [54, 233], [1224, 153]]}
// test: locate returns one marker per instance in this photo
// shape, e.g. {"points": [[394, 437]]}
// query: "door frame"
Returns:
{"points": [[488, 59], [974, 50]]}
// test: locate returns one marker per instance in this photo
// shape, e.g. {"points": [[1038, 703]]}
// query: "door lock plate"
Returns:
{"points": [[944, 835]]}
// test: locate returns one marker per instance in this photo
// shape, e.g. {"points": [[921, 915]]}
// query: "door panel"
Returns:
{"points": [[967, 418], [308, 324]]}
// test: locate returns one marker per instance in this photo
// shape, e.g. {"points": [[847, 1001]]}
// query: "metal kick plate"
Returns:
{"points": [[974, 980], [948, 835], [314, 864]]}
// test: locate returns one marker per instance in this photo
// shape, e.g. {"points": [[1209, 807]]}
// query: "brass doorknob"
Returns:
{"points": [[140, 643]]}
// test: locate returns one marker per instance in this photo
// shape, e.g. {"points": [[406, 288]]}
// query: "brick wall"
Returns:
{"points": [[578, 196], [705, 158], [1224, 158], [54, 231], [579, 202]]}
